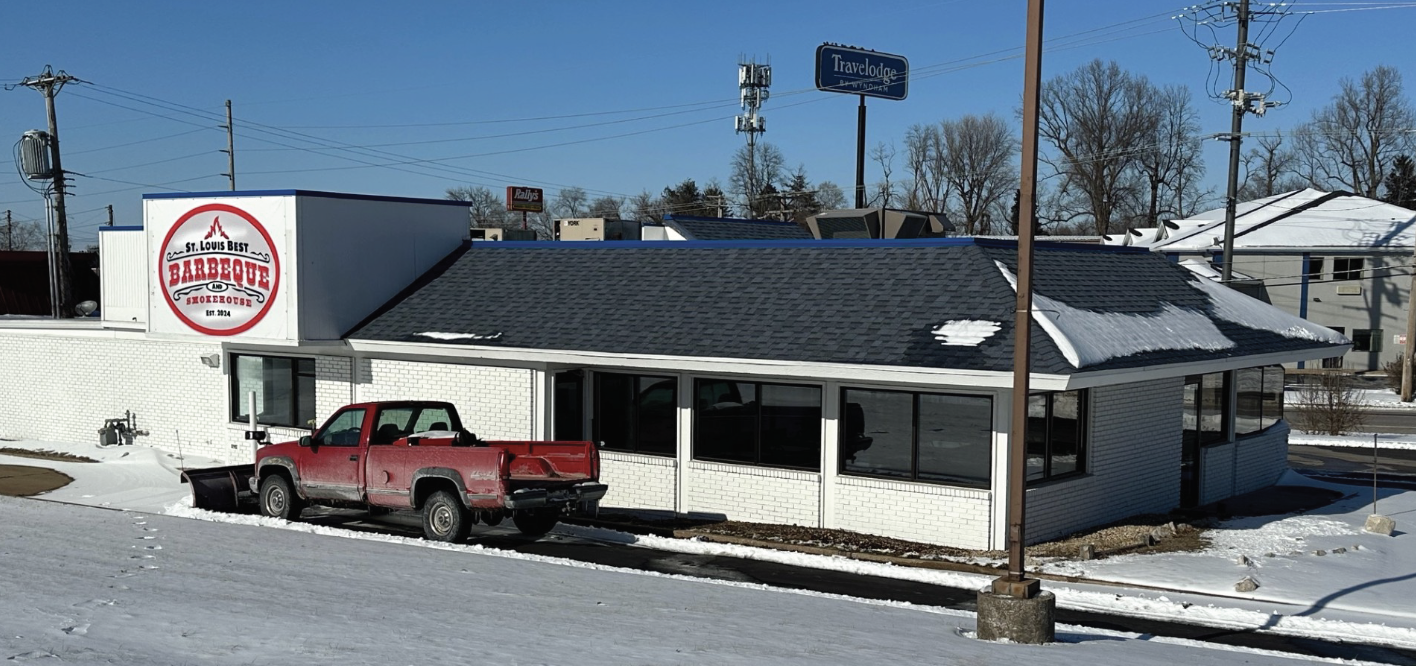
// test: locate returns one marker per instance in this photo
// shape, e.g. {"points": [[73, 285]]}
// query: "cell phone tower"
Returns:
{"points": [[753, 82]]}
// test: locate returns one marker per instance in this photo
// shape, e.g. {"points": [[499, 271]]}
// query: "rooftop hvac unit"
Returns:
{"points": [[34, 155], [492, 234]]}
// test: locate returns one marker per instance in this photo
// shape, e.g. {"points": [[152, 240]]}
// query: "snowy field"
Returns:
{"points": [[139, 587]]}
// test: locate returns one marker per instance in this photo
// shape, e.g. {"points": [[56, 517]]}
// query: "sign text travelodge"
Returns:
{"points": [[219, 270], [847, 69]]}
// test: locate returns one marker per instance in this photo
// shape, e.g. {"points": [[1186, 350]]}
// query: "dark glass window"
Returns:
{"points": [[1367, 340], [1248, 409], [570, 406], [284, 387], [636, 413], [917, 436], [1056, 440], [758, 424], [1315, 268], [1214, 404], [1271, 400], [1347, 268]]}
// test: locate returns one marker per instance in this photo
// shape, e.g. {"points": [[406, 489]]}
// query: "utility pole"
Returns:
{"points": [[49, 84], [1016, 607], [110, 215], [9, 232], [1410, 337], [1240, 100], [231, 148], [860, 154]]}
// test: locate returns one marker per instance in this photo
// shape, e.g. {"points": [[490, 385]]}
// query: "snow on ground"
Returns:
{"points": [[126, 587], [1383, 398], [1361, 441], [1352, 595]]}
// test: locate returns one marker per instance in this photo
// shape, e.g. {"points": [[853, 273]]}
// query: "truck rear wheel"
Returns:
{"points": [[535, 522], [444, 518], [278, 500]]}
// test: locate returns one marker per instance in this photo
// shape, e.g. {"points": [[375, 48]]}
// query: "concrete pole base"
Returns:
{"points": [[1032, 621]]}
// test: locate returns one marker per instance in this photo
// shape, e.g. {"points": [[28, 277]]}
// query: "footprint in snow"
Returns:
{"points": [[77, 630], [147, 537]]}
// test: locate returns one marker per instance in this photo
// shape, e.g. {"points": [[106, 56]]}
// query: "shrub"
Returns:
{"points": [[1393, 373], [1329, 403]]}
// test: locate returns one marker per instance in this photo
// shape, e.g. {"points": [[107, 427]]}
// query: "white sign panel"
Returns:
{"points": [[220, 268]]}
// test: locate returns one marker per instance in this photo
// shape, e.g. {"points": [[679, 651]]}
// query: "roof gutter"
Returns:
{"points": [[1086, 379], [437, 352]]}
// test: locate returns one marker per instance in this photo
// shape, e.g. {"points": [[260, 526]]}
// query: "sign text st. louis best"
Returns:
{"points": [[845, 69]]}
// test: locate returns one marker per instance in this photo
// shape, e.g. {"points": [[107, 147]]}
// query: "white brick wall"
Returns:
{"points": [[944, 515], [62, 386], [495, 403], [639, 481], [334, 385], [1134, 462], [753, 494]]}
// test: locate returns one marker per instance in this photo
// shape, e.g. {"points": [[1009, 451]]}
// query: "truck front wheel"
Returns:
{"points": [[444, 518], [535, 522], [278, 500]]}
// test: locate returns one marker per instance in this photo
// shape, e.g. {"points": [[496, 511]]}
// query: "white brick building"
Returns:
{"points": [[803, 383]]}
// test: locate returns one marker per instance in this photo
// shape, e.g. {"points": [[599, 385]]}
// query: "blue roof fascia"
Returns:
{"points": [[127, 228], [299, 193], [956, 241]]}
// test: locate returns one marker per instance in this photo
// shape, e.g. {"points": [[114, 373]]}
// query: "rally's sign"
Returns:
{"points": [[846, 69], [528, 199], [218, 269]]}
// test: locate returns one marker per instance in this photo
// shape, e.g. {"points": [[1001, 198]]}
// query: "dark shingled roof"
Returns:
{"points": [[862, 302], [722, 229]]}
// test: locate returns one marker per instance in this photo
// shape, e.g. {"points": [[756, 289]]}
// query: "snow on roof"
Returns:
{"points": [[1205, 269], [1298, 219], [1088, 338], [965, 332]]}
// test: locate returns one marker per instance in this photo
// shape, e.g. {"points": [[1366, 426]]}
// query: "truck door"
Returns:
{"points": [[330, 466]]}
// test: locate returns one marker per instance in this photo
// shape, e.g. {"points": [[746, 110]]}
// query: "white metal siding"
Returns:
{"points": [[123, 276]]}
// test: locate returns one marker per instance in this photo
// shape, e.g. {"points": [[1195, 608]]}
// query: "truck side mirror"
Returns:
{"points": [[306, 441]]}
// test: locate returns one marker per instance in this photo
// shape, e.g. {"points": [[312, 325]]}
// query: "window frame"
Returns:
{"points": [[1315, 268], [1352, 268], [237, 398], [1373, 340], [757, 416], [914, 476], [635, 411], [1083, 437], [1227, 405]]}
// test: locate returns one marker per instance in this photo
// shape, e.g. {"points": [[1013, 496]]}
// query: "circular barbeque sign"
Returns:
{"points": [[219, 269]]}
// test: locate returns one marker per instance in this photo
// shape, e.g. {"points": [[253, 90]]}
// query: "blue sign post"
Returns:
{"points": [[846, 69]]}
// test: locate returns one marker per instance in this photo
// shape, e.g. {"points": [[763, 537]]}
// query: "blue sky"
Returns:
{"points": [[431, 80]]}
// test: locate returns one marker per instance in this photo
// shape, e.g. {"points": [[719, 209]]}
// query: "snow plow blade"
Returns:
{"points": [[221, 488]]}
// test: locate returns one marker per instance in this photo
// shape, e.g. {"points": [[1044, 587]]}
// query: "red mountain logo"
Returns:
{"points": [[216, 229]]}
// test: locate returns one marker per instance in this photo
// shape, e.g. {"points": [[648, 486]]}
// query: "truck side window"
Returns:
{"points": [[342, 430], [433, 418], [391, 425]]}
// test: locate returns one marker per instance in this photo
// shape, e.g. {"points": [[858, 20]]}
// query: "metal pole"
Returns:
{"points": [[110, 215], [1374, 473], [1241, 105], [230, 148], [860, 154], [9, 232], [1016, 583], [52, 256], [1406, 358]]}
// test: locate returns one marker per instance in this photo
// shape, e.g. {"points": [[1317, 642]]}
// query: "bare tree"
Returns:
{"points": [[606, 207], [1350, 143], [884, 155], [979, 166], [749, 180], [1170, 160], [830, 195], [645, 207], [23, 235], [927, 188], [1096, 118], [485, 209], [570, 202], [1269, 168]]}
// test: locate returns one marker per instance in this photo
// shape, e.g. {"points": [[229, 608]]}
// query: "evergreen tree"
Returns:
{"points": [[1401, 183]]}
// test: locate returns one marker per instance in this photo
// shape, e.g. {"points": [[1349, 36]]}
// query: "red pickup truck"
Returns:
{"points": [[410, 455]]}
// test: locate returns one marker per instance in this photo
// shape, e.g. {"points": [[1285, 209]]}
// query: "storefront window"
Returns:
{"points": [[284, 389], [933, 437]]}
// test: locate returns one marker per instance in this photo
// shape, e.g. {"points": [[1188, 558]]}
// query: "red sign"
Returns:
{"points": [[529, 199], [218, 269]]}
